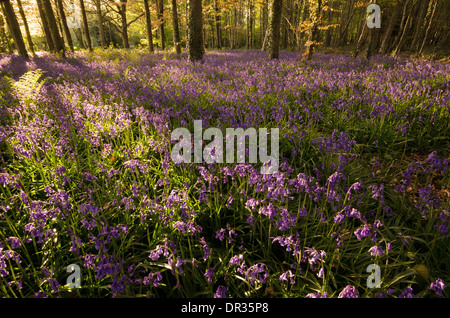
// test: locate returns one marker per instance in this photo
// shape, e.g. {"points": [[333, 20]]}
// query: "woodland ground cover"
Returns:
{"points": [[86, 176]]}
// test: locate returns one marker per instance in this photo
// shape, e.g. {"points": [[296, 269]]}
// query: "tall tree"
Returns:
{"points": [[427, 31], [315, 14], [14, 28], [160, 13], [148, 23], [3, 35], [53, 26], [176, 31], [64, 24], [101, 29], [195, 30], [46, 27], [85, 25], [27, 28], [419, 25], [274, 28], [217, 20]]}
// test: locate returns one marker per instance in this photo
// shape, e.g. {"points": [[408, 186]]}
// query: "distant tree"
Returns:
{"points": [[13, 26], [195, 30]]}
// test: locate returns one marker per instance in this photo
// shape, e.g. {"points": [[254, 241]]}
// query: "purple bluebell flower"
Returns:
{"points": [[438, 286], [348, 292], [407, 293], [221, 292]]}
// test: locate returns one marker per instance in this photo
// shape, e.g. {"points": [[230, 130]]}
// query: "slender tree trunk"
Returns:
{"points": [[148, 23], [401, 41], [25, 24], [273, 40], [64, 24], [101, 28], [427, 31], [390, 28], [4, 36], [160, 10], [312, 39], [176, 31], [57, 40], [14, 28], [122, 6], [217, 18], [195, 31], [86, 26], [46, 27], [419, 25], [343, 34]]}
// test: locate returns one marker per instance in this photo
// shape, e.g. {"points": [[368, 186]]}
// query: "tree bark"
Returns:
{"points": [[4, 36], [25, 24], [427, 31], [86, 26], [313, 33], [160, 11], [46, 27], [401, 41], [148, 23], [14, 28], [176, 31], [122, 7], [274, 28], [390, 28], [57, 40], [419, 25], [101, 28], [195, 31], [217, 20], [64, 24]]}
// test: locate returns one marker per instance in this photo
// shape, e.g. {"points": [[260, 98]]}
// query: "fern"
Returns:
{"points": [[28, 85]]}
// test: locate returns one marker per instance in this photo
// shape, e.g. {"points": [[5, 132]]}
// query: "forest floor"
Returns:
{"points": [[88, 177]]}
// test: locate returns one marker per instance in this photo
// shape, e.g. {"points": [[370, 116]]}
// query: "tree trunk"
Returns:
{"points": [[14, 29], [148, 23], [195, 31], [57, 40], [122, 6], [46, 27], [160, 10], [390, 28], [217, 18], [101, 28], [25, 24], [273, 40], [176, 31], [427, 31], [4, 36], [313, 33], [401, 41], [85, 25], [419, 25], [64, 24]]}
